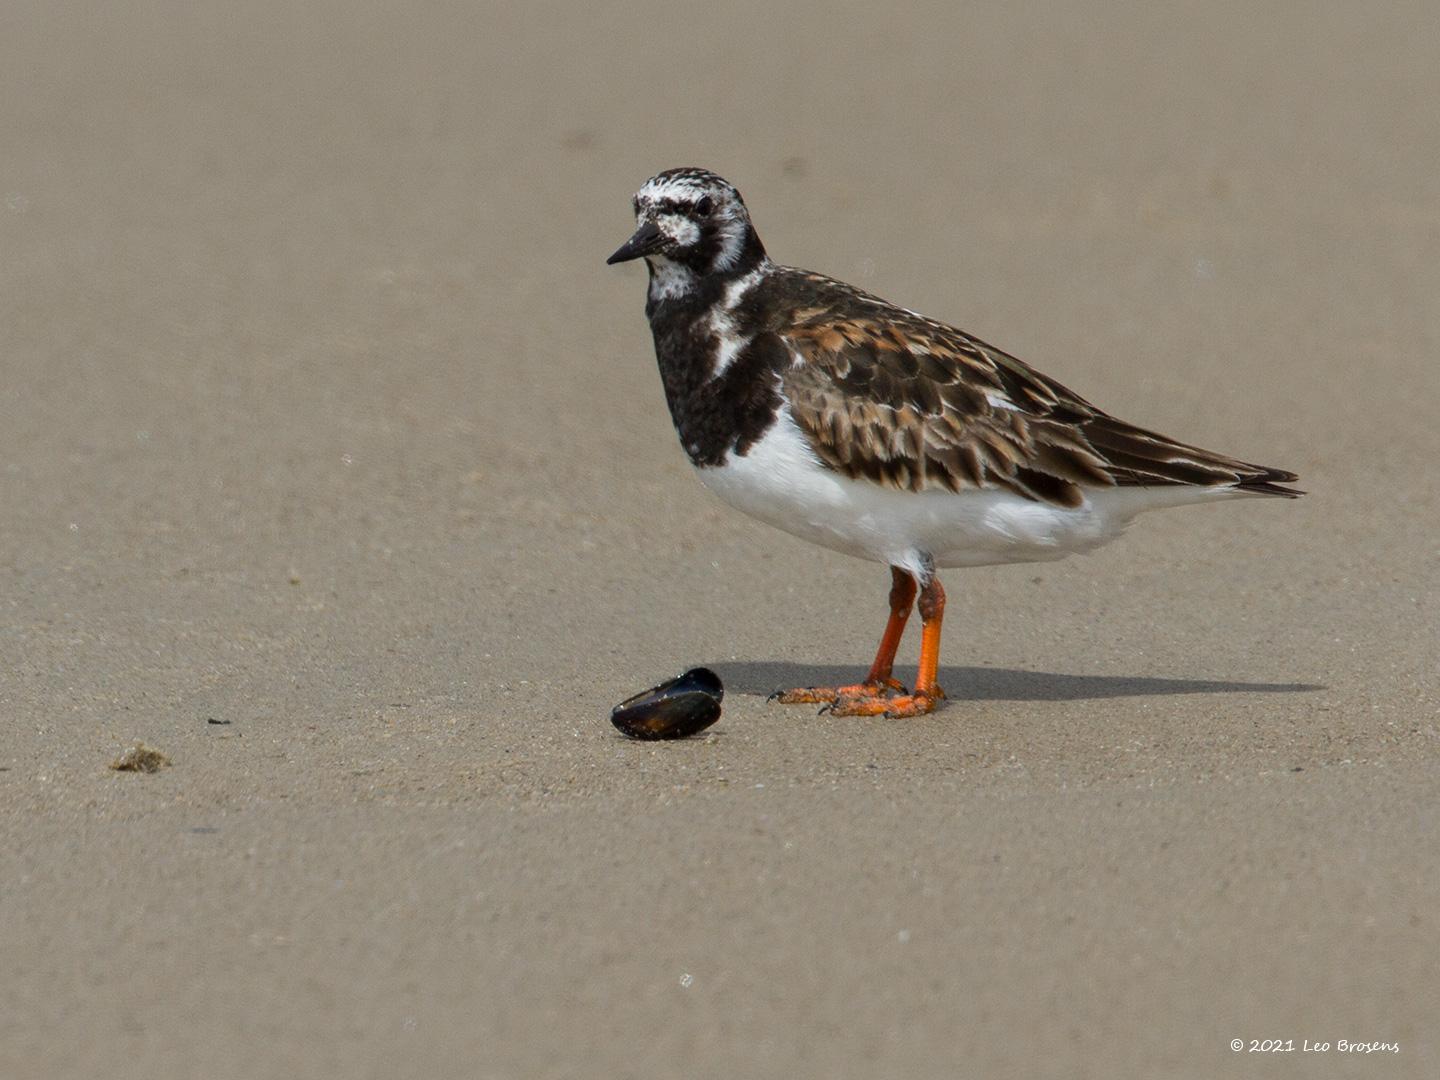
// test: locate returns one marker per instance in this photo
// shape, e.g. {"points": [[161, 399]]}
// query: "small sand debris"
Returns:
{"points": [[140, 758]]}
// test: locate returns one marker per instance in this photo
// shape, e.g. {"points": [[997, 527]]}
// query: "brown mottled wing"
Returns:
{"points": [[910, 403]]}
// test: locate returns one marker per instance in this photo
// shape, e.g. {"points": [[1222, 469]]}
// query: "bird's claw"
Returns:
{"points": [[805, 695], [861, 699], [892, 708]]}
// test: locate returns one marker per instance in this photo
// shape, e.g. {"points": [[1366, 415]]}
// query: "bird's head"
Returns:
{"points": [[691, 224]]}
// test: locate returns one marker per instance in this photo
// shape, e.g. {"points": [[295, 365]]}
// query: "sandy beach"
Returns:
{"points": [[334, 464]]}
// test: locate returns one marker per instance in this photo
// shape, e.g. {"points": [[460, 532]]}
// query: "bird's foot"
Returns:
{"points": [[835, 695], [892, 708]]}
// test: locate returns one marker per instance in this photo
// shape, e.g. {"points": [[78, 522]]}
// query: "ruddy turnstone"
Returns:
{"points": [[873, 430]]}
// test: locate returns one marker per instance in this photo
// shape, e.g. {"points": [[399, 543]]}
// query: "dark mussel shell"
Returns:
{"points": [[684, 706]]}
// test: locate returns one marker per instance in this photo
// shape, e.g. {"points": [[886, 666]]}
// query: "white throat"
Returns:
{"points": [[668, 279]]}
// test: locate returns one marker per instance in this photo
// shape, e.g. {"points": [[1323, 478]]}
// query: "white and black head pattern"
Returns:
{"points": [[691, 225]]}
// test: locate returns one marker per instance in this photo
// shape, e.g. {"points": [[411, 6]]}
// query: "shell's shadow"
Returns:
{"points": [[990, 684]]}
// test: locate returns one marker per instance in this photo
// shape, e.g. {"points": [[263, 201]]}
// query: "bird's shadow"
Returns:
{"points": [[991, 684]]}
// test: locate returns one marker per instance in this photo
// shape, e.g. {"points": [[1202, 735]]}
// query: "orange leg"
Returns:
{"points": [[927, 689], [902, 596], [879, 680]]}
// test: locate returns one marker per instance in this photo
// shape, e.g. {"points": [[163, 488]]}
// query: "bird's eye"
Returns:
{"points": [[704, 206]]}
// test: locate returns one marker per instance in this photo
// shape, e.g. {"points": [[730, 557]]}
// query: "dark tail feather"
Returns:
{"points": [[1146, 458], [1269, 481]]}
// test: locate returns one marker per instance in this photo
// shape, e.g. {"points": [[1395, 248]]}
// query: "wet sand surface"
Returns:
{"points": [[334, 464]]}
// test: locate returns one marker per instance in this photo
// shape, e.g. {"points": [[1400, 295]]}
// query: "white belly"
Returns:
{"points": [[781, 482]]}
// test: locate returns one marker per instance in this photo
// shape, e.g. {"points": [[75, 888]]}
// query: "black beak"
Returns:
{"points": [[647, 239]]}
